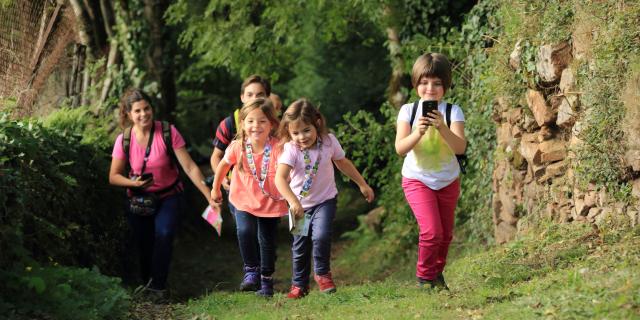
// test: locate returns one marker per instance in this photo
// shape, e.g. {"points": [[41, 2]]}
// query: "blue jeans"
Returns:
{"points": [[318, 242], [154, 236], [257, 241]]}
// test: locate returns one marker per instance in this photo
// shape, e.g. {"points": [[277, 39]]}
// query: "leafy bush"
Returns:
{"points": [[63, 293], [56, 205]]}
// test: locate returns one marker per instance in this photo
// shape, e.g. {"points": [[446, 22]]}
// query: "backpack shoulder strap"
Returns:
{"points": [[448, 114], [166, 136], [168, 142], [414, 109], [236, 120], [126, 144]]}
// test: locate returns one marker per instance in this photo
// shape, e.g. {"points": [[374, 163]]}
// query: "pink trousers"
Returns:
{"points": [[434, 212]]}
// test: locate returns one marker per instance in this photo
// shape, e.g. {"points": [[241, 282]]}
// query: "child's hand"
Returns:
{"points": [[367, 192], [423, 124], [296, 209], [216, 196], [435, 119]]}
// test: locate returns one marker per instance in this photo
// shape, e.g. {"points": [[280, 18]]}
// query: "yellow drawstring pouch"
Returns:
{"points": [[432, 152]]}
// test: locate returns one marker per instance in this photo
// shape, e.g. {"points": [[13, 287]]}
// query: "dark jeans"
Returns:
{"points": [[154, 236], [257, 241], [318, 242]]}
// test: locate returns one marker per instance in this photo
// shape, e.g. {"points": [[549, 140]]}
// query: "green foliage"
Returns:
{"points": [[56, 205], [615, 52], [62, 293], [335, 57]]}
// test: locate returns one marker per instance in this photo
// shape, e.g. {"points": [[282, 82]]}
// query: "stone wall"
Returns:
{"points": [[537, 141]]}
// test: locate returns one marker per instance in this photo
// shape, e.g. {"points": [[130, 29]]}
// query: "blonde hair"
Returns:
{"points": [[265, 105], [432, 65], [304, 110]]}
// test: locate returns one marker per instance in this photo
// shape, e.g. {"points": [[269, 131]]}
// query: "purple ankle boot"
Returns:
{"points": [[251, 280], [266, 288]]}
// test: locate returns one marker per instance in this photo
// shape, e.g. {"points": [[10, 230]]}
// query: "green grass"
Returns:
{"points": [[555, 271]]}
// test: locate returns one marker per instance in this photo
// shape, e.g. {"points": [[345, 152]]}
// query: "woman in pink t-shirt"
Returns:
{"points": [[258, 204], [305, 178], [152, 171]]}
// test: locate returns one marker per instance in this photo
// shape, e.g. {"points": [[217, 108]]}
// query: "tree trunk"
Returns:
{"points": [[112, 60], [159, 58], [396, 97]]}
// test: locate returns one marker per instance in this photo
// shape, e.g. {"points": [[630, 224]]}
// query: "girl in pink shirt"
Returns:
{"points": [[252, 192], [305, 179]]}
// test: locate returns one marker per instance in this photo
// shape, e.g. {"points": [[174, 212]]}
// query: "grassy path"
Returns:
{"points": [[555, 272]]}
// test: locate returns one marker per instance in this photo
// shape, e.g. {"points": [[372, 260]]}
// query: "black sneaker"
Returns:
{"points": [[426, 284], [440, 283]]}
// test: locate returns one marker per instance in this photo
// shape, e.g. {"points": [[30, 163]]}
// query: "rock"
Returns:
{"points": [[580, 207], [541, 111], [530, 151], [545, 133], [633, 217], [556, 169], [552, 60], [591, 198], [514, 116], [497, 207], [508, 207], [632, 157], [593, 212], [514, 57], [503, 134], [552, 151], [373, 219], [529, 123], [635, 191], [566, 115], [567, 81], [504, 232]]}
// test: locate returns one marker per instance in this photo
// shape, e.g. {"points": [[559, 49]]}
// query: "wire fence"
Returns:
{"points": [[34, 35]]}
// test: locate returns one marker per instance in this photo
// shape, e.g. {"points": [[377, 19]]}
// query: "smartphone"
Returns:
{"points": [[429, 106], [146, 176]]}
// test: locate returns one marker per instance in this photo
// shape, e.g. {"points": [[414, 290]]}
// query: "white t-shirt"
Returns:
{"points": [[449, 170], [323, 186]]}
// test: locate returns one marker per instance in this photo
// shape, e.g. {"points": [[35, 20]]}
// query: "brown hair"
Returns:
{"points": [[302, 109], [432, 65], [265, 105], [129, 97], [256, 79]]}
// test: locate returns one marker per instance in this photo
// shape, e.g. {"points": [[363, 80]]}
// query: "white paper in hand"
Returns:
{"points": [[292, 221]]}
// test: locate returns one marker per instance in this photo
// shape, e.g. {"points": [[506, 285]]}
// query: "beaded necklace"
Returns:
{"points": [[310, 171], [263, 170]]}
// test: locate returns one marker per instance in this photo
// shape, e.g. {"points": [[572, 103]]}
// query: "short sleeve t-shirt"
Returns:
{"points": [[159, 163], [245, 193], [432, 161], [323, 186]]}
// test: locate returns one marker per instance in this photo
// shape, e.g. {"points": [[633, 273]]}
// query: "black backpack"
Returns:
{"points": [[462, 158]]}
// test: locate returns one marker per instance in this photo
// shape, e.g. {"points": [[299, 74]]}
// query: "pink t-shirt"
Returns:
{"points": [[245, 193], [323, 187], [159, 163]]}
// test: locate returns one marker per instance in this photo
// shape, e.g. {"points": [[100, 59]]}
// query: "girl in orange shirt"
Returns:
{"points": [[259, 205]]}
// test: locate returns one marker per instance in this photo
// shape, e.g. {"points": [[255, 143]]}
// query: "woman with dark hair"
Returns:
{"points": [[143, 163]]}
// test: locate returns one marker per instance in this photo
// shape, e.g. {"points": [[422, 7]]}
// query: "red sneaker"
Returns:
{"points": [[296, 292], [325, 283]]}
